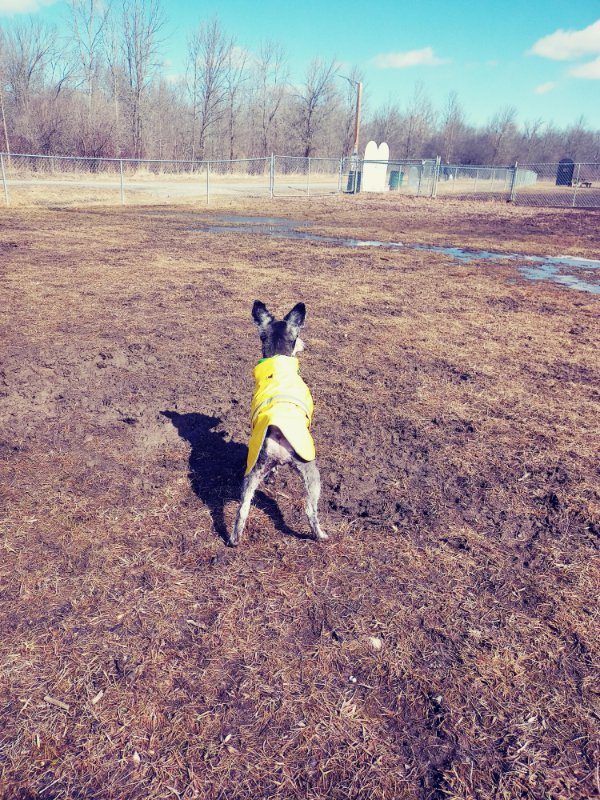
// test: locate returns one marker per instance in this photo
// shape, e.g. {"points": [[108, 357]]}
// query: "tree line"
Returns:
{"points": [[100, 87]]}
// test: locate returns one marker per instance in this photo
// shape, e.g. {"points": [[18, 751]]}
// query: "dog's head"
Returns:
{"points": [[279, 338]]}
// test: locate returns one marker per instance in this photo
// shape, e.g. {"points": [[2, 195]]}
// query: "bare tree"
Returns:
{"points": [[105, 93], [142, 23], [530, 138], [90, 29], [315, 102], [209, 59], [2, 83], [595, 146], [417, 122], [501, 132], [272, 76], [235, 77], [453, 125], [88, 23], [28, 48], [577, 139], [386, 126], [29, 55]]}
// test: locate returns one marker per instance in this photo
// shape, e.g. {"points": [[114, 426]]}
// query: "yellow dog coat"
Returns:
{"points": [[281, 398]]}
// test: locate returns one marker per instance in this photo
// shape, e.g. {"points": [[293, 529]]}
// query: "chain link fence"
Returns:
{"points": [[44, 180], [64, 180], [472, 182], [297, 176], [562, 185], [566, 184], [411, 177]]}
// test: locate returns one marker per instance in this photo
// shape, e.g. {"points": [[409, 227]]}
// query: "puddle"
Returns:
{"points": [[282, 222], [533, 268], [280, 232]]}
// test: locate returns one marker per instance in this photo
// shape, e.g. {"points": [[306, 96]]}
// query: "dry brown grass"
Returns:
{"points": [[457, 430]]}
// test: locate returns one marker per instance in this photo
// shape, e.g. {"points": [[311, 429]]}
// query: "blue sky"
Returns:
{"points": [[541, 56]]}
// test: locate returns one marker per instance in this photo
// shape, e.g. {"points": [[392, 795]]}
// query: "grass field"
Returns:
{"points": [[443, 644]]}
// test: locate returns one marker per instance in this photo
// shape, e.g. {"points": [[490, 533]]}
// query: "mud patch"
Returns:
{"points": [[456, 420]]}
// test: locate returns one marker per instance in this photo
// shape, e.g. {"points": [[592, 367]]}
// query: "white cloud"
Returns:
{"points": [[544, 88], [410, 58], [10, 7], [569, 45], [591, 70]]}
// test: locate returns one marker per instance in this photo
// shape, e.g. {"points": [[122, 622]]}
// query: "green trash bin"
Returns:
{"points": [[396, 178]]}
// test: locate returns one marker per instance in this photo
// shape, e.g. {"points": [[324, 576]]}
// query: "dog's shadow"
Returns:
{"points": [[216, 469]]}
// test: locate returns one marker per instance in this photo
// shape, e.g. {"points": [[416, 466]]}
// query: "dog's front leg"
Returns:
{"points": [[312, 481], [250, 485]]}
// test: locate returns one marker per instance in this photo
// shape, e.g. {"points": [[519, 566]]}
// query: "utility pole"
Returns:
{"points": [[354, 159], [359, 88]]}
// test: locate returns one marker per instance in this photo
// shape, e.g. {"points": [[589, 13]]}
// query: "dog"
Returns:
{"points": [[282, 410]]}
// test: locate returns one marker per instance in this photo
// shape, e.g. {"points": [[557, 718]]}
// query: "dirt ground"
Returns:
{"points": [[443, 644]]}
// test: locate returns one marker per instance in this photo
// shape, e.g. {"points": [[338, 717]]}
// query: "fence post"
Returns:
{"points": [[575, 184], [421, 168], [272, 176], [513, 185], [207, 182], [308, 179], [6, 197], [436, 177], [340, 175], [122, 186]]}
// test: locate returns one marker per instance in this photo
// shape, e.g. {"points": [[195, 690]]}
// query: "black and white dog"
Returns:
{"points": [[282, 409]]}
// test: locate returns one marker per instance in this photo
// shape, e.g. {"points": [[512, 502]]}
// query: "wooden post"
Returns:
{"points": [[122, 186], [359, 88]]}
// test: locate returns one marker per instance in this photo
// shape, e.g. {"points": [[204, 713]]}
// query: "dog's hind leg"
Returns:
{"points": [[312, 481], [249, 487]]}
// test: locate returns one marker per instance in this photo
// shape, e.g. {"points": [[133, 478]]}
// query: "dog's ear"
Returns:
{"points": [[261, 315], [295, 318]]}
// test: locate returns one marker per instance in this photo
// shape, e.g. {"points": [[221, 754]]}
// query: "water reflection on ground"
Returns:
{"points": [[557, 269]]}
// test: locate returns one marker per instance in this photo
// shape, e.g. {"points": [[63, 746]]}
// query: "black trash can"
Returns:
{"points": [[564, 173]]}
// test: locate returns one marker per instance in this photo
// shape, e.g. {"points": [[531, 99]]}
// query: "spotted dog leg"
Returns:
{"points": [[312, 481]]}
